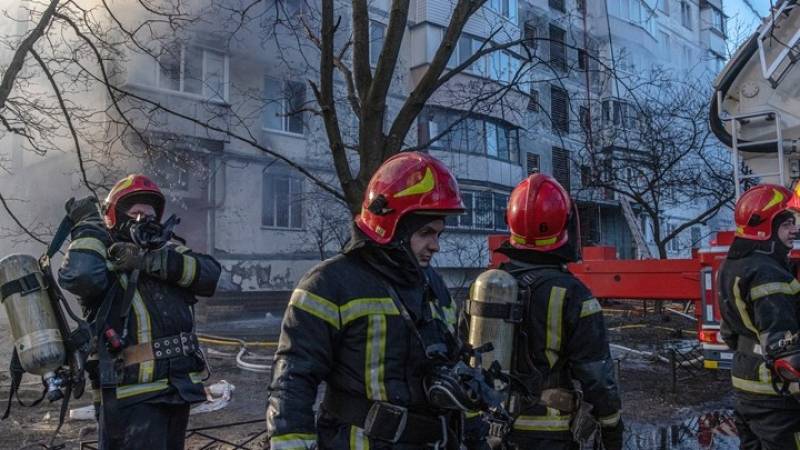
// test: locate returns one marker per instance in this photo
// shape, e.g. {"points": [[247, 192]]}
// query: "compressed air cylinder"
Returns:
{"points": [[497, 287], [34, 327]]}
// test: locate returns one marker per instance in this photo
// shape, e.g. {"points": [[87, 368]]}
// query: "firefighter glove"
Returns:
{"points": [[127, 256], [83, 209]]}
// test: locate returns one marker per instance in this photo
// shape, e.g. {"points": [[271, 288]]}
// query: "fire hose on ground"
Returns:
{"points": [[243, 350], [656, 356]]}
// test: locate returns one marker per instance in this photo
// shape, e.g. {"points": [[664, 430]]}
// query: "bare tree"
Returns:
{"points": [[655, 149]]}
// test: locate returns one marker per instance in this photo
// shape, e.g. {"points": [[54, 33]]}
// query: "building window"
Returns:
{"points": [[284, 104], [663, 6], [377, 30], [533, 100], [561, 167], [674, 243], [558, 5], [503, 66], [686, 14], [559, 109], [532, 163], [584, 118], [500, 205], [586, 176], [473, 134], [282, 205], [558, 53], [193, 70], [583, 59], [483, 210], [696, 237], [506, 8], [530, 36], [717, 20], [619, 113]]}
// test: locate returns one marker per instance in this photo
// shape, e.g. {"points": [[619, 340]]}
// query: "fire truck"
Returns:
{"points": [[755, 112]]}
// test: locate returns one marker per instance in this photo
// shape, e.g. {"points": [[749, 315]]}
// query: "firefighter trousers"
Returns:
{"points": [[768, 424], [151, 426]]}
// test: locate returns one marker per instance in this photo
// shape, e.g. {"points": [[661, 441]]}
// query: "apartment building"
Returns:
{"points": [[267, 223]]}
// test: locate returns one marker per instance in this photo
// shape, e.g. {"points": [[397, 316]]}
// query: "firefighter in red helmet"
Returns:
{"points": [[372, 322], [137, 288], [564, 335], [760, 306]]}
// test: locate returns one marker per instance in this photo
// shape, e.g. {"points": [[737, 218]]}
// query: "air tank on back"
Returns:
{"points": [[494, 287], [34, 326]]}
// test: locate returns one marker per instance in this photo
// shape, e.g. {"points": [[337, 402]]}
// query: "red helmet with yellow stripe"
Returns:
{"points": [[758, 207], [538, 214], [136, 188], [409, 182]]}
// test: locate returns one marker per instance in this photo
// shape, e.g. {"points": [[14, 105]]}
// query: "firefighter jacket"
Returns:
{"points": [[566, 341], [343, 327], [159, 309], [760, 303]]}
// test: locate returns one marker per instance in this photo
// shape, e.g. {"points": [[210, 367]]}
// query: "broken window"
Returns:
{"points": [[284, 103]]}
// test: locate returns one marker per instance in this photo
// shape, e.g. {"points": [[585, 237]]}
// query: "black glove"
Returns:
{"points": [[83, 209], [127, 256]]}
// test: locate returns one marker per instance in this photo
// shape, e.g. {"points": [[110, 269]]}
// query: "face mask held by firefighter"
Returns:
{"points": [[146, 232]]}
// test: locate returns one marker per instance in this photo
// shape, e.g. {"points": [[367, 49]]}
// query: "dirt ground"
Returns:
{"points": [[695, 415]]}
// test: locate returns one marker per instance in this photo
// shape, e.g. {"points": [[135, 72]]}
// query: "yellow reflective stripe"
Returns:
{"points": [[449, 312], [316, 306], [293, 441], [763, 290], [472, 414], [143, 330], [797, 441], [361, 307], [742, 307], [752, 386], [142, 388], [189, 271], [426, 184], [543, 242], [182, 249], [610, 420], [542, 423], [358, 440], [196, 377], [374, 360], [555, 312], [590, 307], [91, 244]]}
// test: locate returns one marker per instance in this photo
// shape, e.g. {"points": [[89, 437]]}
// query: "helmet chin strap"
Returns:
{"points": [[405, 246]]}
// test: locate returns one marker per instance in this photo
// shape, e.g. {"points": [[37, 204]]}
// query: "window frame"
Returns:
{"points": [[273, 175], [204, 93], [285, 106]]}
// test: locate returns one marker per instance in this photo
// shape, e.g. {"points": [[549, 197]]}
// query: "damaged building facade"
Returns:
{"points": [[231, 102]]}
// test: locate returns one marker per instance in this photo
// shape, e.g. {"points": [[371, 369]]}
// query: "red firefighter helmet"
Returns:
{"points": [[538, 214], [757, 208], [130, 186], [409, 182]]}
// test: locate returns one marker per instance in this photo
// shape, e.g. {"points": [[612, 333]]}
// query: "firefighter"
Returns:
{"points": [[148, 368], [760, 306], [563, 333], [373, 323]]}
